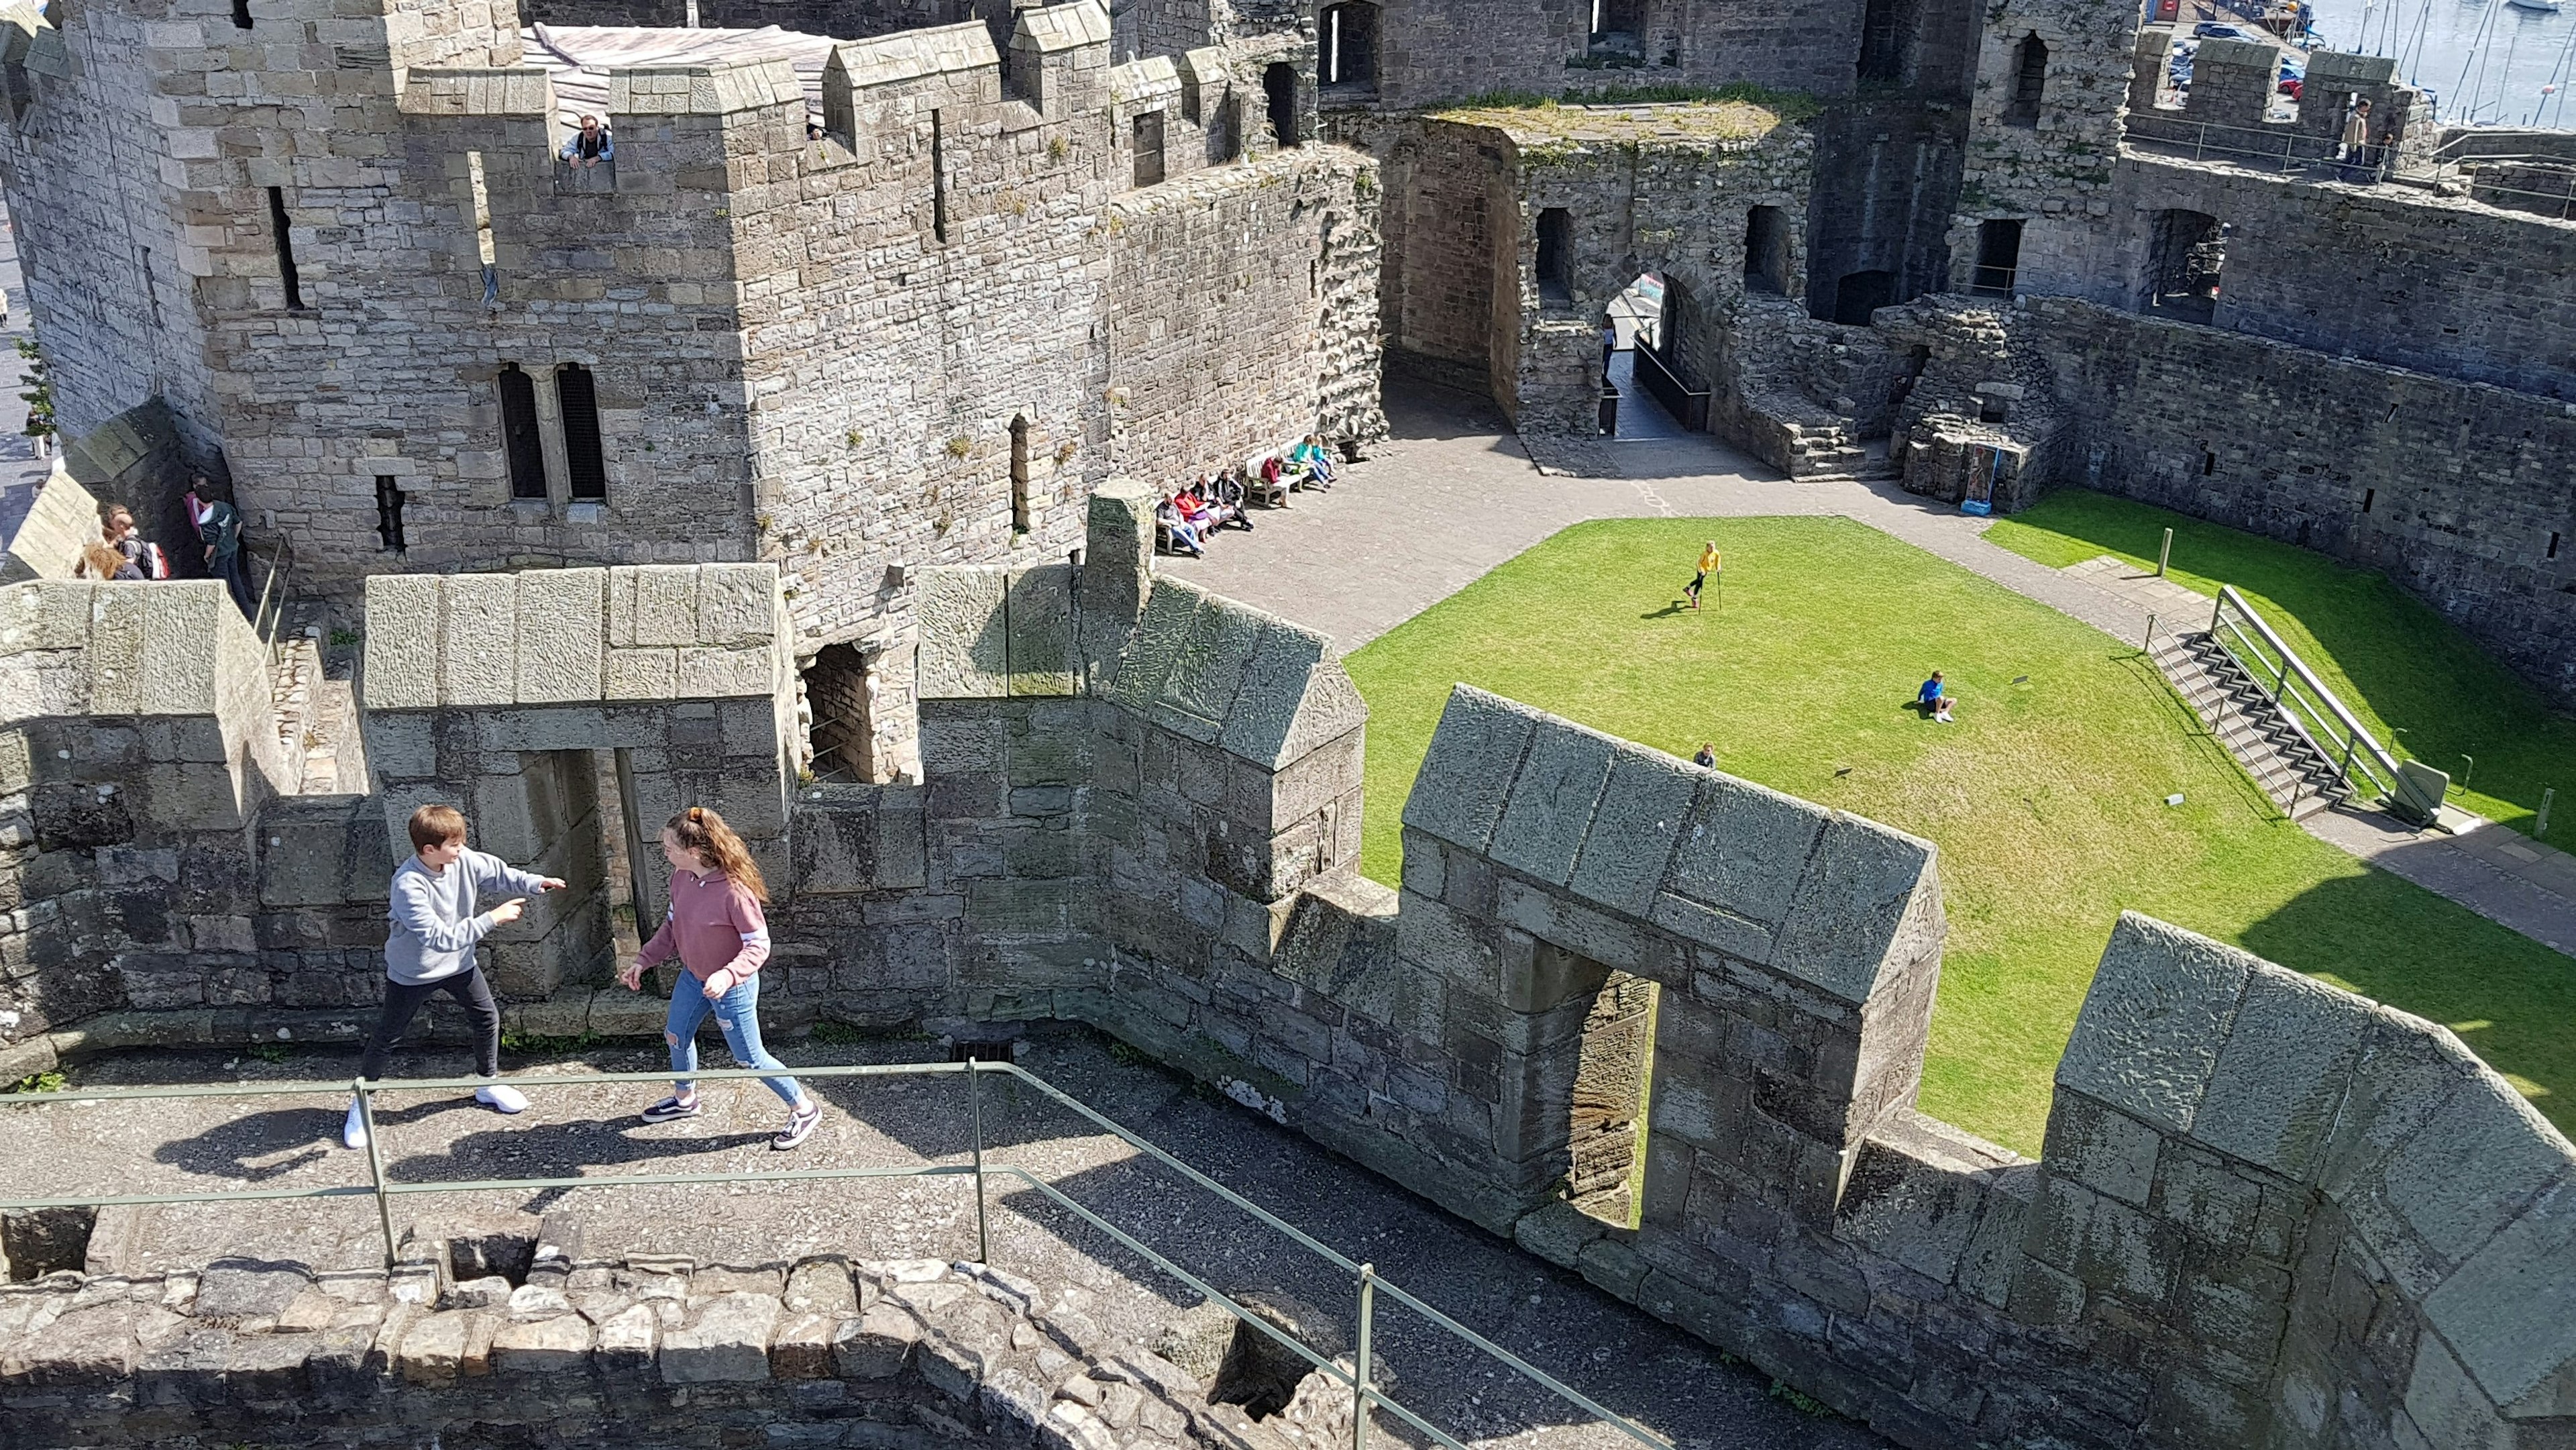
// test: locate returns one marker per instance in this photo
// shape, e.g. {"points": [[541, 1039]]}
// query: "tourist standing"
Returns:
{"points": [[716, 927], [219, 524], [142, 558], [431, 949]]}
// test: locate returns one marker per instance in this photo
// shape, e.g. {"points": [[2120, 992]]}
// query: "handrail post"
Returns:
{"points": [[975, 1106], [2343, 772], [2218, 611], [1360, 1361], [376, 1167]]}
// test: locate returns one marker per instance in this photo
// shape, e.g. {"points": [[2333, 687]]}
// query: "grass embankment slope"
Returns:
{"points": [[2046, 797], [2383, 651]]}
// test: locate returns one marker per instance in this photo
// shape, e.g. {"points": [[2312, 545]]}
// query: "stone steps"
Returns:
{"points": [[2241, 717]]}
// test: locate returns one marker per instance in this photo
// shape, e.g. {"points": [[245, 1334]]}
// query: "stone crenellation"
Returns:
{"points": [[2267, 1211]]}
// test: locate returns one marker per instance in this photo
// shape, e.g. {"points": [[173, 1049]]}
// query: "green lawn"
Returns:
{"points": [[2046, 797], [2385, 652]]}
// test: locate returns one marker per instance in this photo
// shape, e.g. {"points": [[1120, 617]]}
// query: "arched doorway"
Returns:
{"points": [[1642, 332], [1279, 83]]}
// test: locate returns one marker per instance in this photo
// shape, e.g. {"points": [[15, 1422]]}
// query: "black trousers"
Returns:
{"points": [[402, 1002]]}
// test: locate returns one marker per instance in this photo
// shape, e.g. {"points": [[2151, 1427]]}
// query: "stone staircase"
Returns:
{"points": [[2241, 715], [317, 718]]}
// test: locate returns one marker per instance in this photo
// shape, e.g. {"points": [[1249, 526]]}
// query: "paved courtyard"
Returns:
{"points": [[1453, 493]]}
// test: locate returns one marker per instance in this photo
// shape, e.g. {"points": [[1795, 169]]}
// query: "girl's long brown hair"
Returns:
{"points": [[703, 831]]}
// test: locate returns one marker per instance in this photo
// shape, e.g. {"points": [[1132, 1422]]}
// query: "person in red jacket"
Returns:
{"points": [[716, 928]]}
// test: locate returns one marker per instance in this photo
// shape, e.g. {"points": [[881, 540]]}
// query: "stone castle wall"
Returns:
{"points": [[2268, 1212], [811, 353]]}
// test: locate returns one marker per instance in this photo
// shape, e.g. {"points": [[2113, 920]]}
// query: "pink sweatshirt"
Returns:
{"points": [[713, 925]]}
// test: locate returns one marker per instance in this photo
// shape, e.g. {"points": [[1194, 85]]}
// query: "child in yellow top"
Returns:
{"points": [[1709, 563]]}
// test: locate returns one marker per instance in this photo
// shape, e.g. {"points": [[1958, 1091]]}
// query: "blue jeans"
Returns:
{"points": [[737, 1014]]}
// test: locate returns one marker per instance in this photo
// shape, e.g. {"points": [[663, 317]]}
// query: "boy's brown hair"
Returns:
{"points": [[436, 826]]}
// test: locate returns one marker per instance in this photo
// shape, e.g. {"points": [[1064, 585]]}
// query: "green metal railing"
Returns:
{"points": [[384, 1190]]}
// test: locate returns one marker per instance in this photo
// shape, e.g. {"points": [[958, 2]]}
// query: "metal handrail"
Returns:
{"points": [[268, 616], [2291, 675], [383, 1190]]}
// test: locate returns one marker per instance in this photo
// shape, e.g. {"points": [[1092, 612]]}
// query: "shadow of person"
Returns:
{"points": [[259, 1147], [503, 1153], [1668, 611]]}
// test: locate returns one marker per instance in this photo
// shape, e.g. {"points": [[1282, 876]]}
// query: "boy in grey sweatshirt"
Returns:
{"points": [[431, 949]]}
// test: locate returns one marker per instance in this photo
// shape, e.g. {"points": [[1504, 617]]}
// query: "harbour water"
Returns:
{"points": [[2486, 61]]}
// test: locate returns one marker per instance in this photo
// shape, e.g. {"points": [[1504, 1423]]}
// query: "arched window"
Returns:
{"points": [[520, 442], [1556, 255], [1346, 44], [2030, 79], [1279, 83], [585, 462]]}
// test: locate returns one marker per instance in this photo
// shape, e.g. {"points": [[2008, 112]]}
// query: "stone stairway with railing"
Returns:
{"points": [[2242, 715], [317, 716]]}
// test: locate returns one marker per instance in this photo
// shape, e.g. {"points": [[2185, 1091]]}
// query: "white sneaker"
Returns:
{"points": [[353, 1133], [501, 1098]]}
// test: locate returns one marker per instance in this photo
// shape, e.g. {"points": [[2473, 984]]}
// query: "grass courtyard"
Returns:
{"points": [[2046, 797], [2421, 685]]}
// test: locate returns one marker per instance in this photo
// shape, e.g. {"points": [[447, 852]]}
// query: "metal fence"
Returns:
{"points": [[2529, 183], [384, 1190]]}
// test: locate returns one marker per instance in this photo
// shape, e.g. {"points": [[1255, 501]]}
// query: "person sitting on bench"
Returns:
{"points": [[1226, 494], [1205, 514], [1178, 536], [1318, 463]]}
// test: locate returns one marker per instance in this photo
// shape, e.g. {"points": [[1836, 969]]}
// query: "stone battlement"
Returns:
{"points": [[2267, 1211]]}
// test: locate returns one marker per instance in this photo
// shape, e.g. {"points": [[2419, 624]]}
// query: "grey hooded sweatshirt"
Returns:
{"points": [[435, 924]]}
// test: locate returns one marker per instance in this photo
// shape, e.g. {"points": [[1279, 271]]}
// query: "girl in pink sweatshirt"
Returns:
{"points": [[716, 928]]}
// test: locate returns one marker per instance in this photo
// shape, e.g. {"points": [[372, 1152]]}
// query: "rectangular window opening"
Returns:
{"points": [[1020, 476], [389, 511], [521, 443], [938, 180], [2369, 494], [585, 461], [1149, 148], [285, 248], [2208, 463], [2553, 546], [840, 696], [241, 14]]}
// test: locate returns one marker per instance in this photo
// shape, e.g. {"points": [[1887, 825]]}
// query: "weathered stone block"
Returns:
{"points": [[1038, 627], [403, 619], [2159, 1010], [562, 628], [1641, 813], [729, 1342], [965, 635], [478, 620], [1466, 776], [552, 1346], [2278, 1084], [1549, 811]]}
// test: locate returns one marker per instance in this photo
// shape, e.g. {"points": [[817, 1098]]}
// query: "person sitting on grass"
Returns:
{"points": [[1941, 711], [431, 949], [1930, 696], [1185, 539]]}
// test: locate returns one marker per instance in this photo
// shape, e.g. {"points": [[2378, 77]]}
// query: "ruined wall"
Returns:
{"points": [[2048, 164], [546, 1333], [1435, 290], [840, 19], [1433, 50]]}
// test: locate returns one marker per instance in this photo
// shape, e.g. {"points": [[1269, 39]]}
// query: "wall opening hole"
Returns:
{"points": [[1881, 42], [35, 1242], [1148, 130], [1279, 84], [840, 690], [1607, 1125], [1991, 409], [1556, 254], [2369, 495], [1998, 258], [2208, 463], [277, 226], [1766, 251], [1020, 517], [389, 511], [2188, 250], [938, 180], [1347, 53], [1618, 28], [2030, 81]]}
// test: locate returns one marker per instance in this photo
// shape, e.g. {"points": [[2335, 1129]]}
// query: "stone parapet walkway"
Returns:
{"points": [[1454, 493]]}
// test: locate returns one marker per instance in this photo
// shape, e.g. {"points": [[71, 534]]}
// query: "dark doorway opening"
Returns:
{"points": [[1556, 255], [1279, 83], [1346, 46], [1998, 258], [1766, 250], [2030, 80], [1859, 294], [520, 442], [1020, 475], [2189, 250]]}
